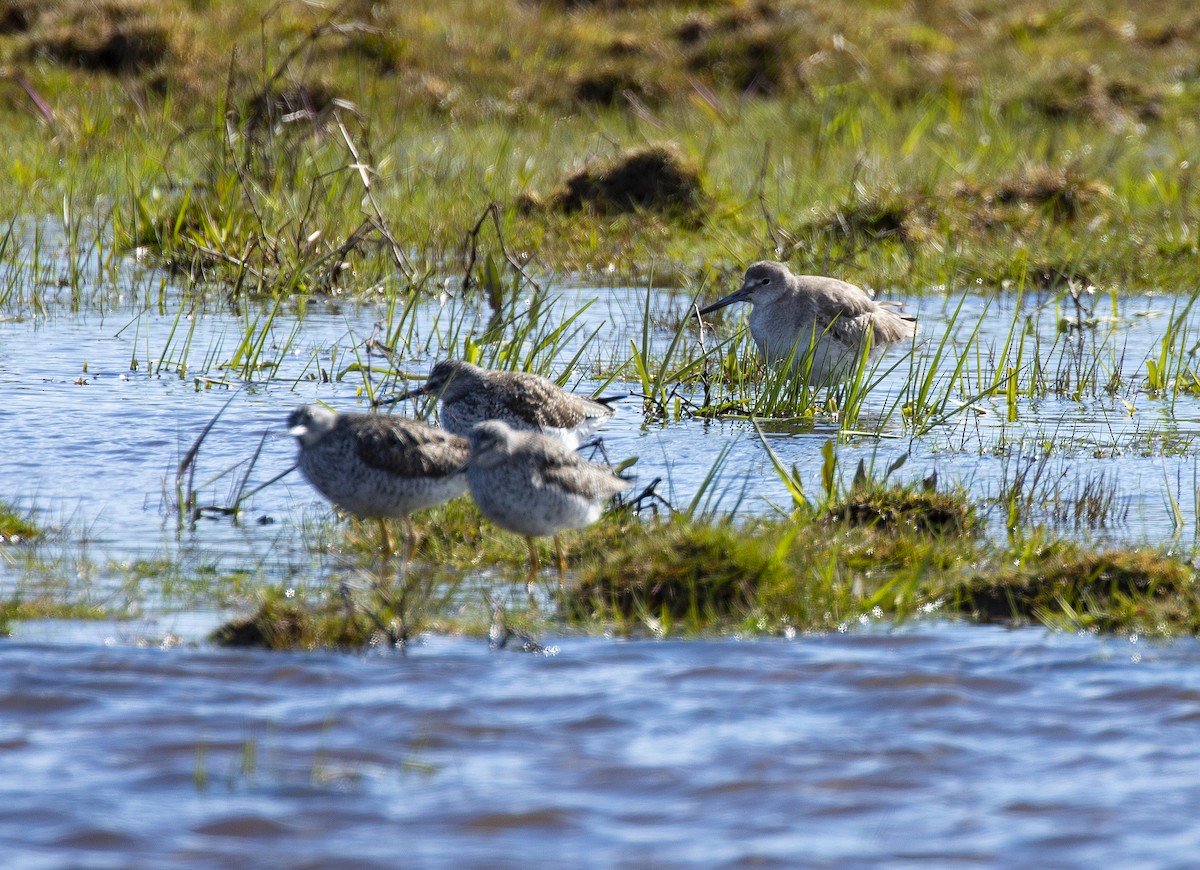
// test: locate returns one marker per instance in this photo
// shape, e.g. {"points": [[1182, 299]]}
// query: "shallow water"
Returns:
{"points": [[937, 744], [92, 444]]}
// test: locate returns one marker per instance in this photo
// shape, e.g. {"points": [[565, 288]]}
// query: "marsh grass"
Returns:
{"points": [[305, 149]]}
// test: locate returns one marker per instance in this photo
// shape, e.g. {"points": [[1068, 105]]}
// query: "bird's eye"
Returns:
{"points": [[765, 281]]}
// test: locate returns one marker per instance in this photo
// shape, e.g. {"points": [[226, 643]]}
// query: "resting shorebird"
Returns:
{"points": [[811, 317], [470, 394], [377, 466], [533, 485]]}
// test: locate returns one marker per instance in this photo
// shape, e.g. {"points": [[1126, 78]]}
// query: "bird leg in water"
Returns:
{"points": [[535, 565], [535, 562]]}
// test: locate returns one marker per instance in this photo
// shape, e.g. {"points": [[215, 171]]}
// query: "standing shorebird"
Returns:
{"points": [[376, 466], [814, 318], [527, 402], [533, 485]]}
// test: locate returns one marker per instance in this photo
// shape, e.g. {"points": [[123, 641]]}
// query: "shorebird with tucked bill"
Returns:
{"points": [[534, 485], [821, 324], [527, 402], [377, 466]]}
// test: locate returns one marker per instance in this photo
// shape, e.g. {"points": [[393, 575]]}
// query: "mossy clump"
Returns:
{"points": [[1087, 93], [283, 623], [16, 16], [700, 573], [1063, 194], [655, 179], [117, 38], [14, 527], [875, 217], [1112, 590], [18, 609], [611, 86], [906, 509], [750, 48]]}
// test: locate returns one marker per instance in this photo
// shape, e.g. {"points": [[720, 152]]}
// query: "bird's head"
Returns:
{"points": [[764, 282], [450, 379], [310, 423], [491, 443]]}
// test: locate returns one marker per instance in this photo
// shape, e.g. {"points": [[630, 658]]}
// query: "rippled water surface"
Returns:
{"points": [[937, 744]]}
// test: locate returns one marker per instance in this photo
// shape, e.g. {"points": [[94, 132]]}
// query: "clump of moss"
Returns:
{"points": [[14, 526], [117, 38], [875, 217], [18, 609], [1112, 590], [283, 623], [16, 16], [750, 48], [655, 178], [906, 509], [1063, 194], [677, 569], [1087, 93], [611, 86]]}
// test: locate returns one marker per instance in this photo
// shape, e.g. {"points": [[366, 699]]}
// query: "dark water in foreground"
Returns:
{"points": [[933, 745]]}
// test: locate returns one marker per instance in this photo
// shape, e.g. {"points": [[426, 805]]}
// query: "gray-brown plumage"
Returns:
{"points": [[821, 324], [527, 402], [377, 466], [534, 485]]}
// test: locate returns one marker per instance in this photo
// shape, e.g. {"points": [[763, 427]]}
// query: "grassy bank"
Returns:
{"points": [[298, 148]]}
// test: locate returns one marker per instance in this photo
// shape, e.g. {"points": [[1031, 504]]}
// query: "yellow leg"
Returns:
{"points": [[535, 565], [562, 562], [410, 537], [535, 562], [385, 537]]}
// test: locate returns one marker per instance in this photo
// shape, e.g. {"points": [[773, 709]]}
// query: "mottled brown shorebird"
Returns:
{"points": [[534, 485], [812, 317], [526, 402], [377, 466]]}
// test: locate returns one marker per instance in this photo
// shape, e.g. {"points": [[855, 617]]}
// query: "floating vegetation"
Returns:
{"points": [[15, 526], [283, 623], [23, 609]]}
